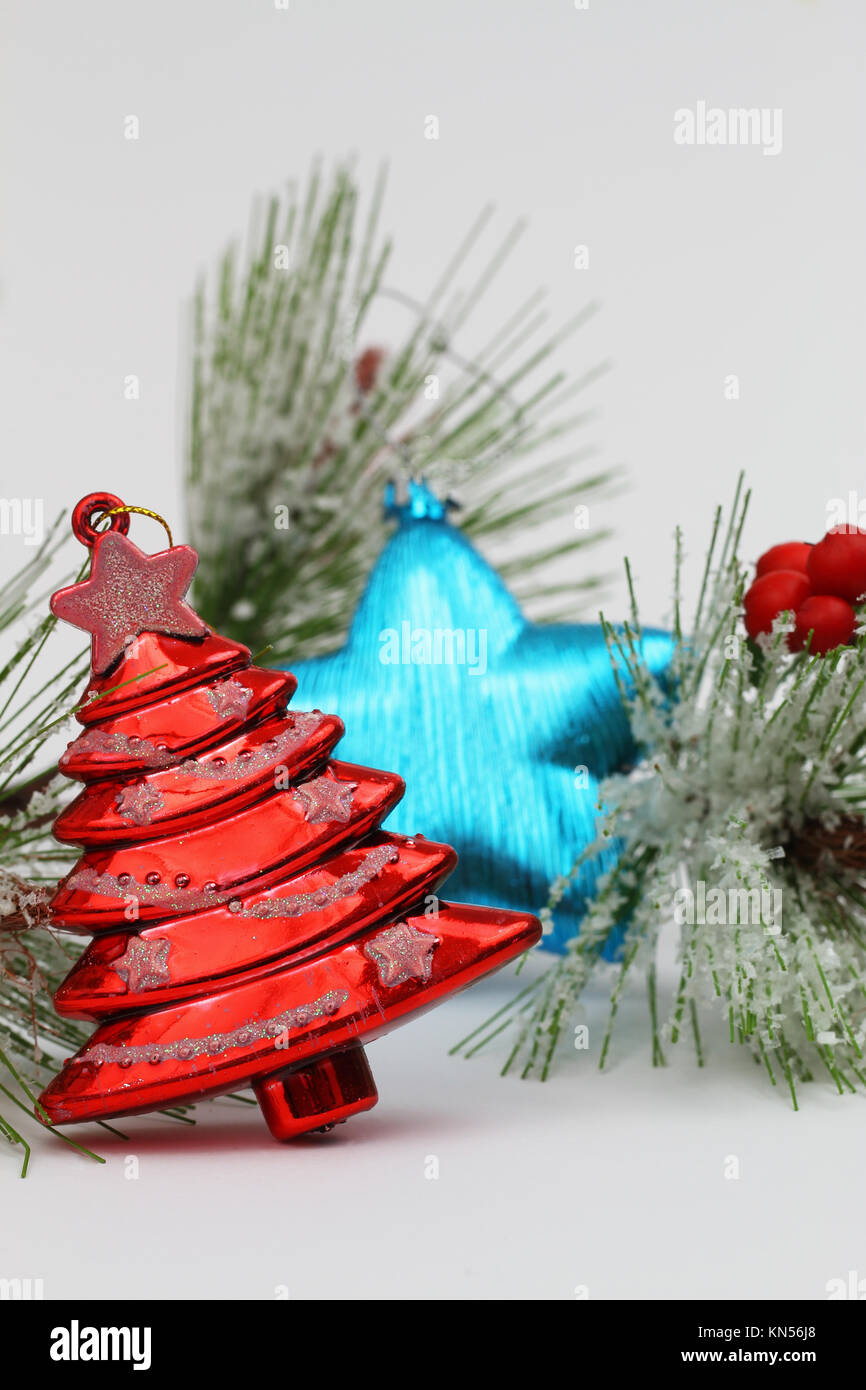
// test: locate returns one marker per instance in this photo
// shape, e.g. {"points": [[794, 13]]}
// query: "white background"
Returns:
{"points": [[709, 261]]}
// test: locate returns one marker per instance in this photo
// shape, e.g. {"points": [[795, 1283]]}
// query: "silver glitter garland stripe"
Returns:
{"points": [[87, 880], [247, 762], [215, 1044], [148, 755], [141, 750], [127, 888], [297, 904]]}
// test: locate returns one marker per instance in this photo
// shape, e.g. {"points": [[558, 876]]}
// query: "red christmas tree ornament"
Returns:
{"points": [[772, 594], [790, 555], [837, 564], [830, 620], [251, 922]]}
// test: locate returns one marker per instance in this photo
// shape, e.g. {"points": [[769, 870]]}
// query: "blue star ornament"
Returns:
{"points": [[501, 728]]}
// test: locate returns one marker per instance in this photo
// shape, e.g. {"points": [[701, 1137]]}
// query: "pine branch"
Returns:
{"points": [[744, 825], [297, 420], [35, 700]]}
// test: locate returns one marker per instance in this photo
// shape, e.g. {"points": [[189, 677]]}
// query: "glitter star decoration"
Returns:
{"points": [[402, 953], [139, 803], [143, 964], [230, 699], [504, 723], [326, 799], [128, 593]]}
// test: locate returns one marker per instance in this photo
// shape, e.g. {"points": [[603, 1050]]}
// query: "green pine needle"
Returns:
{"points": [[752, 793], [298, 417]]}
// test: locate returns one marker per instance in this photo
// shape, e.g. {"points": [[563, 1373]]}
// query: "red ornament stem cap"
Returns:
{"points": [[90, 509], [317, 1096], [101, 506]]}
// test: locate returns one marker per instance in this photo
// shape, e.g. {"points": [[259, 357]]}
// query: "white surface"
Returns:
{"points": [[708, 261], [614, 1182]]}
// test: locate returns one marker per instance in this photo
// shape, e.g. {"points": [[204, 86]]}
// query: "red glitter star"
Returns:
{"points": [[143, 964], [139, 803], [128, 593], [402, 953], [230, 699], [326, 799]]}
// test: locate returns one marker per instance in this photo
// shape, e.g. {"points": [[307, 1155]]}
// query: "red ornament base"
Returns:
{"points": [[327, 1093]]}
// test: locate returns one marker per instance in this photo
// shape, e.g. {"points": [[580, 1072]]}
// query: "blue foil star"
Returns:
{"points": [[501, 728]]}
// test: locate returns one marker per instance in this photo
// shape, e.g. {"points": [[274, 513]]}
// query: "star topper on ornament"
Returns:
{"points": [[128, 592]]}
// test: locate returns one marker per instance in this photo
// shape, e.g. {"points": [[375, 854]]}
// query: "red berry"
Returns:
{"points": [[771, 595], [367, 368], [790, 555], [837, 564], [830, 620]]}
